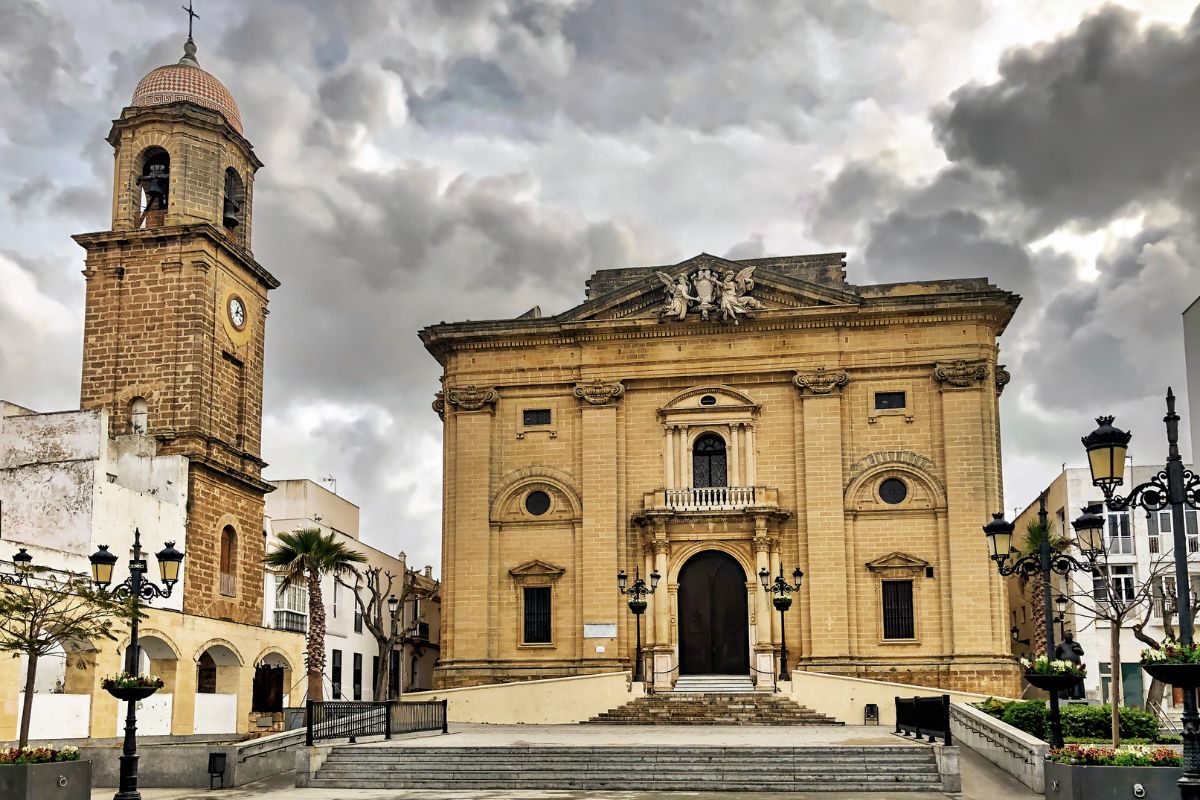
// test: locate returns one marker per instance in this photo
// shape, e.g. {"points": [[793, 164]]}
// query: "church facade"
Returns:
{"points": [[708, 422]]}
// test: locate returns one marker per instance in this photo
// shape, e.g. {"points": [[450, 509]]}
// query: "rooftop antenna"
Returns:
{"points": [[332, 481]]}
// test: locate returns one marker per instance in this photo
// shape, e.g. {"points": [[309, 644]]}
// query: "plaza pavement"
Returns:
{"points": [[981, 780]]}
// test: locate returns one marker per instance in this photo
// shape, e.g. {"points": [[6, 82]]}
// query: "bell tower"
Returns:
{"points": [[175, 316]]}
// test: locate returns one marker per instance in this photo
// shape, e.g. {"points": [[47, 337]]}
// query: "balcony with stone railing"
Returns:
{"points": [[712, 499]]}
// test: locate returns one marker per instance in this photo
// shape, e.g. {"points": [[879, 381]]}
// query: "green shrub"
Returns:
{"points": [[1095, 722], [1029, 716], [993, 707]]}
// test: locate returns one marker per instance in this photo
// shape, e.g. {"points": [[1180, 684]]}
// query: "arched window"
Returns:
{"points": [[228, 561], [708, 462], [153, 180], [233, 207], [206, 674], [139, 415]]}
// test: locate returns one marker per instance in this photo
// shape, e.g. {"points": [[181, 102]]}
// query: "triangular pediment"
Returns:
{"points": [[897, 562], [537, 569], [645, 297]]}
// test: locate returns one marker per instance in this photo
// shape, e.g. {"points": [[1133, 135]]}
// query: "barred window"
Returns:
{"points": [[898, 610], [537, 416], [537, 615], [708, 462], [888, 400]]}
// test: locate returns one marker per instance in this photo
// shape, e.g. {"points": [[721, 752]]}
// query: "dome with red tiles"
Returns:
{"points": [[185, 81]]}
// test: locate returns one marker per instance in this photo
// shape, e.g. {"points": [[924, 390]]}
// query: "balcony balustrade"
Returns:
{"points": [[290, 621]]}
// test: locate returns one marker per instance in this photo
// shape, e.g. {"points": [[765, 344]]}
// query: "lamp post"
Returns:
{"points": [[1172, 488], [393, 605], [637, 592], [137, 589], [22, 561], [1089, 534], [782, 601], [1060, 603]]}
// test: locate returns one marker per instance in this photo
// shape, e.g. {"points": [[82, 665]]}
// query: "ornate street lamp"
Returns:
{"points": [[1172, 488], [782, 600], [1061, 603], [637, 604], [137, 589], [999, 536], [22, 561]]}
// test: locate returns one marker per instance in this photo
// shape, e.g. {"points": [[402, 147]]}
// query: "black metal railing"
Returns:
{"points": [[345, 719], [927, 717]]}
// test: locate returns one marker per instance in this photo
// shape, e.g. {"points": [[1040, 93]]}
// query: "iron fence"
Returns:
{"points": [[345, 719], [927, 717]]}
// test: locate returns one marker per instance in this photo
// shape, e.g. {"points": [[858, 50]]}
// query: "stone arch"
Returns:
{"points": [[224, 652], [272, 681], [925, 491], [727, 396], [683, 552], [508, 499]]}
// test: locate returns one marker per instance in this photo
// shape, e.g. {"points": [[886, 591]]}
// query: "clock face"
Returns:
{"points": [[237, 312]]}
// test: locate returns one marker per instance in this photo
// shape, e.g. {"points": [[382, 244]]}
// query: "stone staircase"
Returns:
{"points": [[898, 768], [677, 708], [715, 684]]}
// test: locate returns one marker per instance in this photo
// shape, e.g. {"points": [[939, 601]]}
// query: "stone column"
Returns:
{"points": [[735, 472], [824, 511], [764, 649], [669, 455], [751, 465], [972, 583], [598, 437], [664, 605], [472, 571]]}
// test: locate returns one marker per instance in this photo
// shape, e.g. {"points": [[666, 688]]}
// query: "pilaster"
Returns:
{"points": [[598, 440]]}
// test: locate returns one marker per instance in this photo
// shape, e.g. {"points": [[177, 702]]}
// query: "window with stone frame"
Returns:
{"points": [[899, 621], [709, 462], [228, 575], [537, 615]]}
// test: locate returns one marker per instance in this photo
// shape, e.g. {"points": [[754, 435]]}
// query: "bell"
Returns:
{"points": [[229, 213], [155, 185]]}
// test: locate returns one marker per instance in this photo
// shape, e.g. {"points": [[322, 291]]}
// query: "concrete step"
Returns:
{"points": [[713, 709]]}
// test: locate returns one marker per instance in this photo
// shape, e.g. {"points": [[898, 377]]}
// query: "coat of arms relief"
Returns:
{"points": [[707, 291]]}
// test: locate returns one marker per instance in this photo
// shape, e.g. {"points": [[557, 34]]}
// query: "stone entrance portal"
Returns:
{"points": [[714, 627]]}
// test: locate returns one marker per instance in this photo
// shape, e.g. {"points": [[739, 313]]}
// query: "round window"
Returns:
{"points": [[708, 400], [537, 503], [893, 491]]}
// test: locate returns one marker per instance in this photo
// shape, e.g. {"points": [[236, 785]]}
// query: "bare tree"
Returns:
{"points": [[1168, 602], [1118, 602], [373, 588]]}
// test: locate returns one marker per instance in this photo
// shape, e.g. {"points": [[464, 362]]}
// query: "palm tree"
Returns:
{"points": [[1034, 533], [305, 556]]}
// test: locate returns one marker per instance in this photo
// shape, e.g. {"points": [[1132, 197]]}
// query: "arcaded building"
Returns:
{"points": [[709, 420]]}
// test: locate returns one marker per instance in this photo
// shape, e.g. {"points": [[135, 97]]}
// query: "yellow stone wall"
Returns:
{"points": [[818, 456]]}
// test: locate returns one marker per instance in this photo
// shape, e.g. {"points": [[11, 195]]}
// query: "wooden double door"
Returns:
{"points": [[714, 624]]}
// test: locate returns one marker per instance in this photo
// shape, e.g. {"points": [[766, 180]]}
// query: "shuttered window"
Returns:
{"points": [[537, 615], [898, 610]]}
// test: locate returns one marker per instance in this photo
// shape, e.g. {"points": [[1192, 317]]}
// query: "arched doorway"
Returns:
{"points": [[714, 628]]}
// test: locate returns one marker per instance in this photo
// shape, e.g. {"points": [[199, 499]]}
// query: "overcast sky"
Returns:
{"points": [[464, 159]]}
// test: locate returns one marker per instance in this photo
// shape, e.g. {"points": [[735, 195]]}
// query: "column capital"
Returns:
{"points": [[662, 547], [961, 374], [599, 393], [439, 405], [761, 544], [820, 381], [1003, 376], [471, 398]]}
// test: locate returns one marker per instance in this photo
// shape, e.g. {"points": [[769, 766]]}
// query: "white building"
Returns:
{"points": [[1140, 551], [351, 651]]}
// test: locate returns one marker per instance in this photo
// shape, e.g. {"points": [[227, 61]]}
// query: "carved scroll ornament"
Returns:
{"points": [[472, 398], [1003, 376], [439, 404], [960, 373], [821, 381], [598, 392]]}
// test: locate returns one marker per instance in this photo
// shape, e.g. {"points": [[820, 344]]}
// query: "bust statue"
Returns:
{"points": [[1068, 649]]}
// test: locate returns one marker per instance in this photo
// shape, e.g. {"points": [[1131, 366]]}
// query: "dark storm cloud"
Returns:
{"points": [[1083, 126]]}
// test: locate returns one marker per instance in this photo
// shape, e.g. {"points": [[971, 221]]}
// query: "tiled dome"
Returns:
{"points": [[185, 81]]}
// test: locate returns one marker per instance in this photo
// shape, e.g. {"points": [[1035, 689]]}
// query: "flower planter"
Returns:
{"points": [[637, 606], [133, 693], [60, 780], [1052, 683], [1070, 782], [1184, 676], [782, 603]]}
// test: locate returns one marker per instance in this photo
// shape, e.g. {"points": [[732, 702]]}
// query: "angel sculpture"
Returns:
{"points": [[677, 299], [734, 300]]}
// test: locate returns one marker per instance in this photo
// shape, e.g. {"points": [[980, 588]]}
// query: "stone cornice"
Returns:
{"points": [[961, 373], [821, 381], [599, 393], [471, 398]]}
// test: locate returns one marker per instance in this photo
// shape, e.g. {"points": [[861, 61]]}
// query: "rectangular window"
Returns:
{"points": [[889, 400], [1160, 526], [357, 619], [1116, 583], [1120, 536], [537, 614], [898, 610], [336, 592], [358, 676], [374, 675], [537, 416], [335, 674]]}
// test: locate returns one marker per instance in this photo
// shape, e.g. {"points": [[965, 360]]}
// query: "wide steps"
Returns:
{"points": [[718, 684], [713, 709], [748, 769]]}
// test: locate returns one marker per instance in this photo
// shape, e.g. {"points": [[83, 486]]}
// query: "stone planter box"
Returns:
{"points": [[63, 780], [1066, 782]]}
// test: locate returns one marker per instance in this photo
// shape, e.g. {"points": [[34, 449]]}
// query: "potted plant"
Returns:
{"points": [[1053, 676], [1083, 772], [124, 686], [1174, 663], [782, 602], [637, 605], [44, 773]]}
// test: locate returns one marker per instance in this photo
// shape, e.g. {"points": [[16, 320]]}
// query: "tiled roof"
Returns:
{"points": [[183, 82]]}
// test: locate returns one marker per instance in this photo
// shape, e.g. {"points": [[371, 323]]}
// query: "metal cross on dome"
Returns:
{"points": [[192, 15]]}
